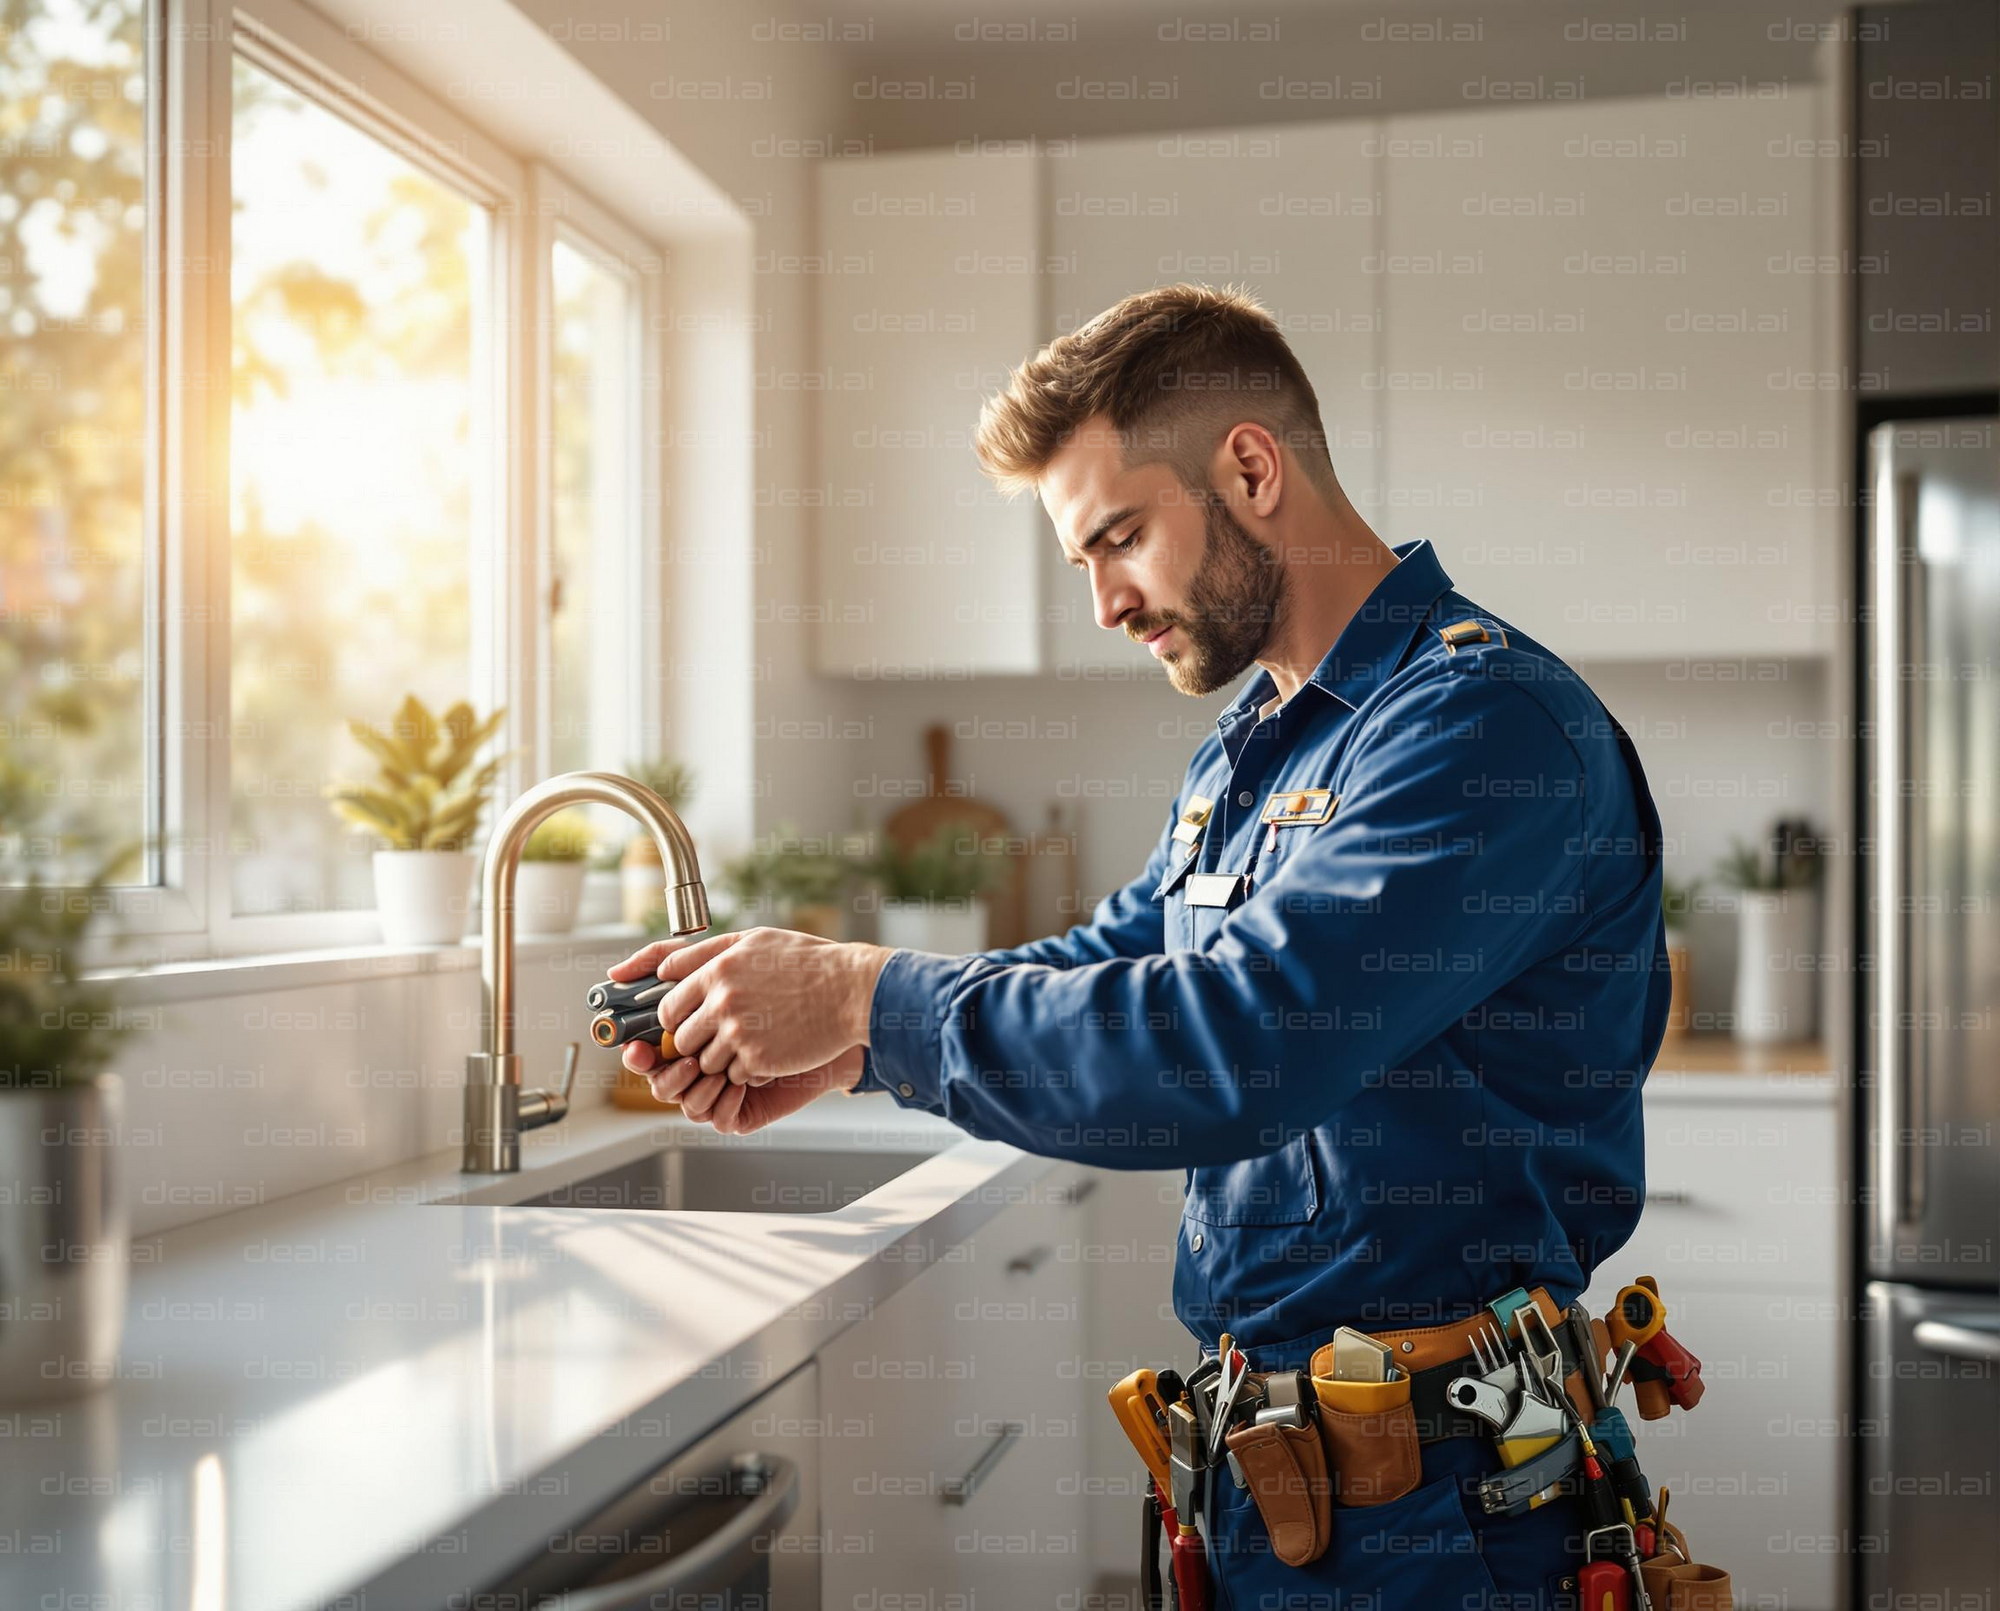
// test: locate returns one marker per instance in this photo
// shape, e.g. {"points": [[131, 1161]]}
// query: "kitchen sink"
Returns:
{"points": [[737, 1180]]}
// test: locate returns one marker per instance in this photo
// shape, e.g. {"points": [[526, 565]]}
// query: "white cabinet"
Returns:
{"points": [[1605, 330], [1741, 1229], [1288, 211], [1582, 347], [930, 293], [914, 1400]]}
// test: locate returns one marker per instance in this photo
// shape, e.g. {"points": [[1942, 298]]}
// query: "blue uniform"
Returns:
{"points": [[1388, 994]]}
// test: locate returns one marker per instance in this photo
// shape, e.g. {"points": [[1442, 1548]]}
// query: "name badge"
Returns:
{"points": [[1211, 889], [1299, 808]]}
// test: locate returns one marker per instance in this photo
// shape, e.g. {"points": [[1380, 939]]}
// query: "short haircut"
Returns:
{"points": [[1173, 369]]}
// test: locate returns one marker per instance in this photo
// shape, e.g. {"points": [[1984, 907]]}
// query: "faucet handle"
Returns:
{"points": [[540, 1107]]}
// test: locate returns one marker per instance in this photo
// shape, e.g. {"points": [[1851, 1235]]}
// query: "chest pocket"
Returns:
{"points": [[1279, 1188]]}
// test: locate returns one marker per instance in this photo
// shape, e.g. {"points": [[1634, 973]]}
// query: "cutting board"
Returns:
{"points": [[947, 804]]}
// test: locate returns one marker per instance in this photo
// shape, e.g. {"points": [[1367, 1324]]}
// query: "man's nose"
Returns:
{"points": [[1115, 600]]}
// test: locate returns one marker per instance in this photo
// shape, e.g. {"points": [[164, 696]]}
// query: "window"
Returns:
{"points": [[429, 472], [593, 455], [356, 437], [77, 683]]}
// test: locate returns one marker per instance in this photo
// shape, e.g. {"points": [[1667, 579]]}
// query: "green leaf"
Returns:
{"points": [[395, 763], [418, 728]]}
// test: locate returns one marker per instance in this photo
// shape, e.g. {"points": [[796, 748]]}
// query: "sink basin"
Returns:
{"points": [[738, 1180]]}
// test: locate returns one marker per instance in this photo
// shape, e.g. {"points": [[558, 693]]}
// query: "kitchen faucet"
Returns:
{"points": [[497, 1110]]}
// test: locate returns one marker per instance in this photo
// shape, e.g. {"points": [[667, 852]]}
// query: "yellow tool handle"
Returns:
{"points": [[1638, 1314], [1136, 1402]]}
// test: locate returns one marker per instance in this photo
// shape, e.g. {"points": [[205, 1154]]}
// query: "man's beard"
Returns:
{"points": [[1234, 606]]}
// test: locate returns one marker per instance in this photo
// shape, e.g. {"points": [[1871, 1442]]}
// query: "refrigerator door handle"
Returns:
{"points": [[1961, 1342], [1912, 1081], [1900, 1041]]}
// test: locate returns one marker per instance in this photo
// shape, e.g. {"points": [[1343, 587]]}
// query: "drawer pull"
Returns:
{"points": [[961, 1490], [1671, 1196], [1029, 1262]]}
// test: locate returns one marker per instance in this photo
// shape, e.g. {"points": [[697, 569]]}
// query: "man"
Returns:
{"points": [[1387, 986]]}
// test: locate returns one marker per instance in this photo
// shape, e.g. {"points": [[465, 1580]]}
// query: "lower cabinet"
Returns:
{"points": [[1741, 1229], [953, 1445]]}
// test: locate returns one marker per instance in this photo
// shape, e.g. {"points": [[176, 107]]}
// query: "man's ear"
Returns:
{"points": [[1250, 468]]}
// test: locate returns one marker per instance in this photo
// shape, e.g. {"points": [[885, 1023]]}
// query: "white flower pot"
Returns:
{"points": [[546, 897], [1777, 964], [949, 928], [423, 897]]}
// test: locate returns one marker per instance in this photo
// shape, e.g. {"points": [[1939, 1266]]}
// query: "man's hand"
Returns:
{"points": [[752, 1014], [737, 1110]]}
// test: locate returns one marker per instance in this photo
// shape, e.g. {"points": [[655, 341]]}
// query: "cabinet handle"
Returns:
{"points": [[1029, 1262], [1079, 1190], [1672, 1196], [961, 1490], [1961, 1342], [715, 1562]]}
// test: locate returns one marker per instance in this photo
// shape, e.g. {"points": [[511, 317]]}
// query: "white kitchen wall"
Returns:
{"points": [[243, 1096]]}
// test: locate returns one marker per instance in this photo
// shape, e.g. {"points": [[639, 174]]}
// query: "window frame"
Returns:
{"points": [[186, 914], [562, 213]]}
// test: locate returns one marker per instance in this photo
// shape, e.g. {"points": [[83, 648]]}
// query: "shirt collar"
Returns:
{"points": [[1370, 647]]}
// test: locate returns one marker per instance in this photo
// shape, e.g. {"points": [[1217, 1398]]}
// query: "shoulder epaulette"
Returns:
{"points": [[1461, 634]]}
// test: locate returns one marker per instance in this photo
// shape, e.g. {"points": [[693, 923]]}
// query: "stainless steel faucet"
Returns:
{"points": [[497, 1110]]}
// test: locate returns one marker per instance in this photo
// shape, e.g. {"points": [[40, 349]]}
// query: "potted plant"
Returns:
{"points": [[795, 881], [641, 873], [1777, 886], [426, 804], [65, 1239], [1677, 902], [931, 893], [548, 885]]}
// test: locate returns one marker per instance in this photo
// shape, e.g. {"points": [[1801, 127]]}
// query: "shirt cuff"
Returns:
{"points": [[905, 1051]]}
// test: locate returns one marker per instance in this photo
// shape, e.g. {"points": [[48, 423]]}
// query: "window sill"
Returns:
{"points": [[294, 970]]}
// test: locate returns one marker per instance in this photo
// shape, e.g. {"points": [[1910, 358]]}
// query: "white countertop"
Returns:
{"points": [[360, 1391]]}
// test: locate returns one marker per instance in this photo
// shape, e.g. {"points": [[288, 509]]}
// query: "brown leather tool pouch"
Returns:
{"points": [[1285, 1467], [1676, 1583], [1370, 1432]]}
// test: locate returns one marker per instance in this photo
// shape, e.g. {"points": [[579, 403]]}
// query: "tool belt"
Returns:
{"points": [[1521, 1371]]}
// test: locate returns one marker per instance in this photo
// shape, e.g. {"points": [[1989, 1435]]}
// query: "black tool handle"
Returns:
{"points": [[608, 995]]}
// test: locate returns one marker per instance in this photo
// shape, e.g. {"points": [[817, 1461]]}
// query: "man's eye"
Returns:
{"points": [[1126, 546]]}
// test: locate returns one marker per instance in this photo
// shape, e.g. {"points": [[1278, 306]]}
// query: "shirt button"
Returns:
{"points": [[906, 1089], [1246, 799], [1196, 1243]]}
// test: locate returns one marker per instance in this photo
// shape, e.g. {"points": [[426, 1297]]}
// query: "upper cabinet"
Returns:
{"points": [[1927, 164], [930, 292], [1606, 369], [1590, 350], [1290, 211]]}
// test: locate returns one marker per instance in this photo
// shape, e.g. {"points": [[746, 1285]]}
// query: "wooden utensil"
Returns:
{"points": [[947, 805]]}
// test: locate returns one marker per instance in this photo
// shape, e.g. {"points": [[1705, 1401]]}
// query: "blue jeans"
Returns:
{"points": [[1432, 1550]]}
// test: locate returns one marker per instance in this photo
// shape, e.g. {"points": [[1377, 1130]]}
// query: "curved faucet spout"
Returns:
{"points": [[496, 1109]]}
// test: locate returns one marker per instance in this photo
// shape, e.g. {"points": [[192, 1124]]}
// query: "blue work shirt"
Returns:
{"points": [[1401, 1060]]}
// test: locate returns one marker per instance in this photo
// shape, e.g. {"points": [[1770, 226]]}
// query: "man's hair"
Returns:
{"points": [[1172, 369]]}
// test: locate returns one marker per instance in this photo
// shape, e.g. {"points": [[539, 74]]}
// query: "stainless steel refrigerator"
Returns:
{"points": [[1930, 1343]]}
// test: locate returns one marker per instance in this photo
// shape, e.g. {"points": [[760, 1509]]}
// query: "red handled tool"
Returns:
{"points": [[1185, 1550]]}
